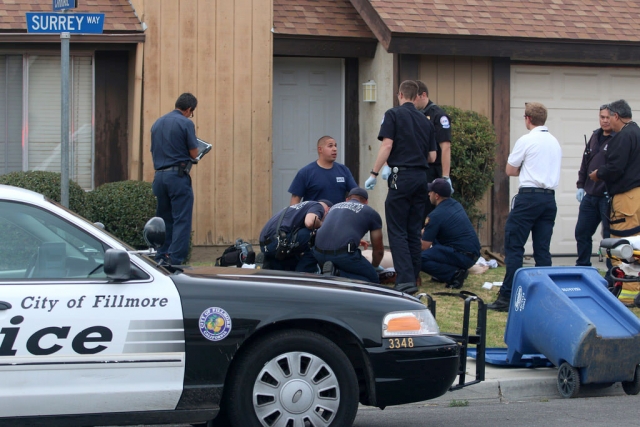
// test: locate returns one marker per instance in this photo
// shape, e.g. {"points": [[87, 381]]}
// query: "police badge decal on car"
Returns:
{"points": [[215, 324]]}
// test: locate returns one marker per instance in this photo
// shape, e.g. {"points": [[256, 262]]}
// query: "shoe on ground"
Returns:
{"points": [[458, 279], [500, 304], [260, 261], [408, 288], [328, 269]]}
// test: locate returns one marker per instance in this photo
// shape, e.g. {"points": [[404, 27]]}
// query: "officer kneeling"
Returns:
{"points": [[450, 245], [285, 238], [341, 233]]}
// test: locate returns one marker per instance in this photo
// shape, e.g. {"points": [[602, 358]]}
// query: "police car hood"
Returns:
{"points": [[287, 278]]}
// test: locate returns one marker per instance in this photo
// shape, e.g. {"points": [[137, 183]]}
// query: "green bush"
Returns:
{"points": [[473, 151], [123, 207], [47, 184]]}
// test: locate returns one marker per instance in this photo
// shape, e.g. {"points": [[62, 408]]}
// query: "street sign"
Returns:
{"points": [[64, 4], [56, 23]]}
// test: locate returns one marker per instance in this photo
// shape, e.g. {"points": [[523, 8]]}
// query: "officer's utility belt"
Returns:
{"points": [[266, 241], [535, 190], [349, 249], [182, 168], [396, 169]]}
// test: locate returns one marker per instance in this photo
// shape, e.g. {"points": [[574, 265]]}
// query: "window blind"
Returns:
{"points": [[10, 113]]}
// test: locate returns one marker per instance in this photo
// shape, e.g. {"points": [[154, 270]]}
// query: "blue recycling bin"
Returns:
{"points": [[568, 315]]}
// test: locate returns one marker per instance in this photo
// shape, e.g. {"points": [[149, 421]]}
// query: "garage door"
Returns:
{"points": [[573, 96]]}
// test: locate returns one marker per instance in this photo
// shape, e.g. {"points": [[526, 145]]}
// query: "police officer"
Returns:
{"points": [[536, 161], [293, 225], [408, 145], [441, 168], [173, 146], [338, 239], [450, 245], [594, 206]]}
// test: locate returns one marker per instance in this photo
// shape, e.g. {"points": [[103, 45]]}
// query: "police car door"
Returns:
{"points": [[70, 341]]}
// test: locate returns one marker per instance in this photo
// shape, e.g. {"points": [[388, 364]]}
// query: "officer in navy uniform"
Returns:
{"points": [[297, 222], [441, 168], [173, 146], [338, 239], [536, 161], [450, 245], [408, 145]]}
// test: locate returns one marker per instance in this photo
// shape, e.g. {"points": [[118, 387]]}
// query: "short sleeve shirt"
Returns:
{"points": [[313, 182], [539, 156], [172, 136], [412, 134], [442, 123], [449, 225], [347, 222], [293, 218]]}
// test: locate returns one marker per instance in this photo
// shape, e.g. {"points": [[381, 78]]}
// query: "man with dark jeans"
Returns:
{"points": [[594, 206], [173, 146], [535, 159]]}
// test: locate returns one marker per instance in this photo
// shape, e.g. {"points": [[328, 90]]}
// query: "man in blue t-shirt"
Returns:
{"points": [[450, 245], [323, 179], [296, 223], [341, 233]]}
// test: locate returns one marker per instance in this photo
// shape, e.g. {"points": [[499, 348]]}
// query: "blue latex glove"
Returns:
{"points": [[579, 194], [370, 183], [450, 184], [379, 269], [385, 172]]}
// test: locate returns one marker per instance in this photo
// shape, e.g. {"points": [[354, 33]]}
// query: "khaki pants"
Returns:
{"points": [[625, 222]]}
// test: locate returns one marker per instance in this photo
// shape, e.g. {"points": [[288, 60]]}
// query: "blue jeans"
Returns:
{"points": [[301, 259], [443, 262], [175, 207], [594, 210], [351, 265], [533, 213]]}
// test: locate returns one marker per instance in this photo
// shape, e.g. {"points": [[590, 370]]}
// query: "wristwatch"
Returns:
{"points": [[374, 173]]}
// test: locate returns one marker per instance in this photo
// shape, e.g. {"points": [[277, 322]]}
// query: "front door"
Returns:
{"points": [[308, 103]]}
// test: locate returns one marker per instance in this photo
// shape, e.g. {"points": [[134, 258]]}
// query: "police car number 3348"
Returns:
{"points": [[93, 332]]}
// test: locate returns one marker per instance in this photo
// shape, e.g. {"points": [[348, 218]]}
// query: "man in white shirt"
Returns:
{"points": [[535, 159]]}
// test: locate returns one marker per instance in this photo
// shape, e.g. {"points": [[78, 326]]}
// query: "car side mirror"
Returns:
{"points": [[117, 265], [154, 232]]}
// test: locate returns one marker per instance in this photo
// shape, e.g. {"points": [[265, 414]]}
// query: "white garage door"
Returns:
{"points": [[573, 96], [308, 103]]}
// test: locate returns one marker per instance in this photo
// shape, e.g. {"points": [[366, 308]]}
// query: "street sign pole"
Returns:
{"points": [[64, 128]]}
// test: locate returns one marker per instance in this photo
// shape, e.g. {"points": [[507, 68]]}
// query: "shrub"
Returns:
{"points": [[123, 207], [473, 151], [47, 184]]}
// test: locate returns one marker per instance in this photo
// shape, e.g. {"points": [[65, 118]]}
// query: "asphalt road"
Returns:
{"points": [[583, 412]]}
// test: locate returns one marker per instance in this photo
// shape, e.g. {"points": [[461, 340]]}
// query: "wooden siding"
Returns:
{"points": [[463, 82], [221, 51]]}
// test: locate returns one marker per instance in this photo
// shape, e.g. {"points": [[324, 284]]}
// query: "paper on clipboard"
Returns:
{"points": [[203, 148]]}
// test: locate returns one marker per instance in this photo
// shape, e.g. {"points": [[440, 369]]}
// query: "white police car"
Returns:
{"points": [[93, 333]]}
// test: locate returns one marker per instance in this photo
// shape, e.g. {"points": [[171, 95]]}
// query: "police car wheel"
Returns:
{"points": [[293, 377]]}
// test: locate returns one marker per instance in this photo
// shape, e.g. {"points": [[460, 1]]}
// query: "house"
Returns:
{"points": [[272, 76]]}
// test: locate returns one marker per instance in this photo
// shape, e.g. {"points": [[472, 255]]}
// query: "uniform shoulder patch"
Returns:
{"points": [[444, 121], [215, 324]]}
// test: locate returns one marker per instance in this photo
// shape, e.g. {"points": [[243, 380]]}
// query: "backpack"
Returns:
{"points": [[239, 253]]}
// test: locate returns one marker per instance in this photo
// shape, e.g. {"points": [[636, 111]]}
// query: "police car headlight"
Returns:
{"points": [[409, 323]]}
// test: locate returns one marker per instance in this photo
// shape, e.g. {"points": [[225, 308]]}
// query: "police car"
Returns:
{"points": [[93, 332]]}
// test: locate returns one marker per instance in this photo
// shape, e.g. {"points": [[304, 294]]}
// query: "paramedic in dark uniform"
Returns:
{"points": [[408, 145], [535, 160], [341, 233], [441, 168], [450, 245], [173, 146], [621, 171], [297, 222], [594, 205]]}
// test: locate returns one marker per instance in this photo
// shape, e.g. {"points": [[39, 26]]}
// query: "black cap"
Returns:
{"points": [[440, 186], [358, 191], [326, 202]]}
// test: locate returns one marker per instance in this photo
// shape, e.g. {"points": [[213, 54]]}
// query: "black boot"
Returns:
{"points": [[408, 288], [458, 279], [500, 304]]}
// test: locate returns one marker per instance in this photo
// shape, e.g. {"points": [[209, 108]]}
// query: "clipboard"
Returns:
{"points": [[203, 148]]}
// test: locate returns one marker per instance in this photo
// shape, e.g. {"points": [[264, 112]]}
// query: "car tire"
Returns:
{"points": [[293, 375]]}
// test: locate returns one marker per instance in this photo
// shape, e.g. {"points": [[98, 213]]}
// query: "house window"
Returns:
{"points": [[30, 115]]}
